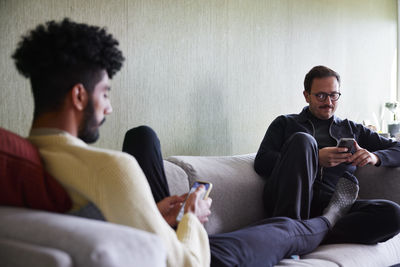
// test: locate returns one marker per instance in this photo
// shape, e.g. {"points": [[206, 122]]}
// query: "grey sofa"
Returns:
{"points": [[36, 238]]}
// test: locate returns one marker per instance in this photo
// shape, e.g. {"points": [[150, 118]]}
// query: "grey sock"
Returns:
{"points": [[345, 194]]}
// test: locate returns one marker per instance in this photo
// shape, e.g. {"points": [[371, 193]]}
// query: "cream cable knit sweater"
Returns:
{"points": [[116, 184]]}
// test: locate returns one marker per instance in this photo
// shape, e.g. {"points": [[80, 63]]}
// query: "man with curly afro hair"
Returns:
{"points": [[58, 57], [69, 65]]}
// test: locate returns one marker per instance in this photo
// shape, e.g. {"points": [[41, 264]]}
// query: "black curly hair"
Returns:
{"points": [[58, 55]]}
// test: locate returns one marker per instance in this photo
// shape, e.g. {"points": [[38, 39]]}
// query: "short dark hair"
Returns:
{"points": [[57, 55], [319, 72]]}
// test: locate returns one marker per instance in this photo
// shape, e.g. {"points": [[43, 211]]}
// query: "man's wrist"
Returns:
{"points": [[377, 160]]}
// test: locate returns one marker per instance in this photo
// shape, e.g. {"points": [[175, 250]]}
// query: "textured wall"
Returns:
{"points": [[210, 75]]}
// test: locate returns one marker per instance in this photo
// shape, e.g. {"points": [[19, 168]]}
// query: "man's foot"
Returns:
{"points": [[345, 194]]}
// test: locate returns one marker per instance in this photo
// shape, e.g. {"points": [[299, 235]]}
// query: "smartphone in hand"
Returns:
{"points": [[208, 187], [349, 143]]}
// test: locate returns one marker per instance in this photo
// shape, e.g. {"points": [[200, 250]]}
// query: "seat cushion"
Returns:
{"points": [[23, 180]]}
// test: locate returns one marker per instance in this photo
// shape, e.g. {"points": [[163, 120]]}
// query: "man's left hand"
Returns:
{"points": [[363, 157]]}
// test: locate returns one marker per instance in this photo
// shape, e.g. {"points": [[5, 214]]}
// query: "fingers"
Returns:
{"points": [[199, 193], [206, 203], [361, 158], [336, 159], [193, 199], [199, 206], [341, 149], [177, 199], [184, 196], [332, 156]]}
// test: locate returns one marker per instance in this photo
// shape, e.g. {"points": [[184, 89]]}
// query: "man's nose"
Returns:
{"points": [[108, 109], [328, 100]]}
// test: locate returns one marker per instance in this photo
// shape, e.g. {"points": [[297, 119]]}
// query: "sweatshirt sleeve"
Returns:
{"points": [[124, 196], [386, 149], [270, 148]]}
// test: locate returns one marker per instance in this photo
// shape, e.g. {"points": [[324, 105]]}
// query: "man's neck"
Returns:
{"points": [[56, 120]]}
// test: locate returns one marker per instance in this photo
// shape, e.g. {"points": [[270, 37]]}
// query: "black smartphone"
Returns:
{"points": [[208, 187], [349, 143]]}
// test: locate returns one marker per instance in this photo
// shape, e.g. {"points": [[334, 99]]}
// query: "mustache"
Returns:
{"points": [[326, 106], [102, 121]]}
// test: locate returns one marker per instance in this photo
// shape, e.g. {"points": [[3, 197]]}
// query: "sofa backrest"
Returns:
{"points": [[379, 183], [237, 189]]}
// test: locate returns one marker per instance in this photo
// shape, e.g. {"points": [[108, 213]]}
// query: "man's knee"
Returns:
{"points": [[142, 133], [142, 130], [139, 135], [302, 141]]}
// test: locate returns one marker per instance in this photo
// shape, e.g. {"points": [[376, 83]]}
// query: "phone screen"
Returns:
{"points": [[195, 185]]}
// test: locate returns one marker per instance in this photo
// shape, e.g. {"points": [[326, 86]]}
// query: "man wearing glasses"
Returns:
{"points": [[302, 163]]}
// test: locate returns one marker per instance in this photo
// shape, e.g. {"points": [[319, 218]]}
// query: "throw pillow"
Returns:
{"points": [[23, 180]]}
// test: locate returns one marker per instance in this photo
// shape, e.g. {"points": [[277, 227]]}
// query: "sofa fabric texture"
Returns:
{"points": [[88, 243], [23, 179], [236, 193], [38, 238], [237, 202], [20, 254]]}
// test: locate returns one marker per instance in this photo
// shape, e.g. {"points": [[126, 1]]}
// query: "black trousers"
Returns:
{"points": [[301, 192], [262, 244]]}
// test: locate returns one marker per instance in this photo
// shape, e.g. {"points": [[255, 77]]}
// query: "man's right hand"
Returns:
{"points": [[169, 208], [333, 156], [199, 206]]}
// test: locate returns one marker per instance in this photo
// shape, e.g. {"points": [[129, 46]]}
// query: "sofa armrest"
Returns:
{"points": [[87, 242], [177, 178], [379, 183], [20, 254]]}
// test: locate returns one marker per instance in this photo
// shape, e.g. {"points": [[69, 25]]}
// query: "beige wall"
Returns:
{"points": [[210, 75]]}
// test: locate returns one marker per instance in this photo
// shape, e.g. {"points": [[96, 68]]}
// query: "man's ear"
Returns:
{"points": [[306, 96], [79, 96]]}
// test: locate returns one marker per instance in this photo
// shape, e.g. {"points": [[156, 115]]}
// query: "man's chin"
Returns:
{"points": [[89, 138], [324, 116]]}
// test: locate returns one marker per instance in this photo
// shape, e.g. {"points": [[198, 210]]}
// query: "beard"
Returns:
{"points": [[89, 128]]}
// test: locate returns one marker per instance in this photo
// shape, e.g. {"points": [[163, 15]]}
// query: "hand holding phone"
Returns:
{"points": [[349, 143], [207, 186]]}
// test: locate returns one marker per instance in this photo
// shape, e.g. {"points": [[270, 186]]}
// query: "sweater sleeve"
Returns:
{"points": [[124, 196]]}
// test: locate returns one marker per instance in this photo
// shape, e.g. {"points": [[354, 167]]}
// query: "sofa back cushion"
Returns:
{"points": [[23, 180], [379, 183], [237, 189]]}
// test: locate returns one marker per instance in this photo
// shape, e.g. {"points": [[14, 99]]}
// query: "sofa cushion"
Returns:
{"points": [[379, 183], [381, 254], [23, 180], [89, 243], [11, 252], [178, 182], [236, 193]]}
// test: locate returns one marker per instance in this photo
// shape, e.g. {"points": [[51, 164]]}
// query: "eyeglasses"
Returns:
{"points": [[322, 96]]}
